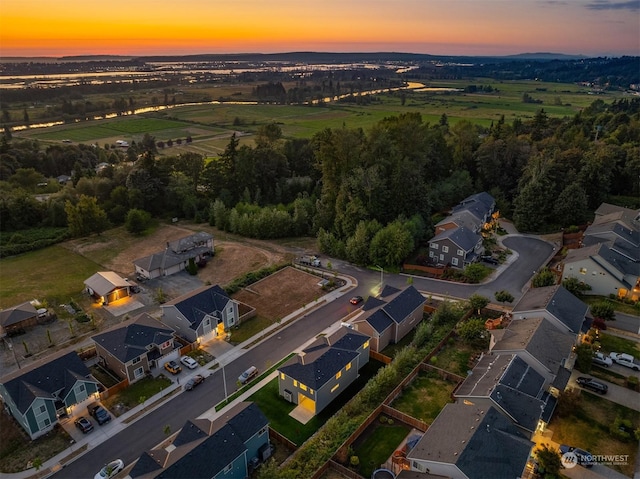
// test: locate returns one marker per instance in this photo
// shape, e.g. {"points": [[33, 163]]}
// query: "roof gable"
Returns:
{"points": [[558, 302], [17, 314], [206, 301], [103, 282], [462, 237], [400, 307]]}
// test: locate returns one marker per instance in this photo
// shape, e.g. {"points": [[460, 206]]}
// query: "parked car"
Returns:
{"points": [[489, 259], [602, 360], [626, 360], [189, 362], [356, 300], [592, 384], [83, 424], [248, 375], [172, 367], [583, 457], [99, 413], [110, 470], [193, 382]]}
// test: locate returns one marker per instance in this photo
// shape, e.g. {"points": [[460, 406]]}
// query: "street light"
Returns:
{"points": [[381, 276]]}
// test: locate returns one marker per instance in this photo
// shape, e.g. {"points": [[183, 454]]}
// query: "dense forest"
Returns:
{"points": [[369, 196]]}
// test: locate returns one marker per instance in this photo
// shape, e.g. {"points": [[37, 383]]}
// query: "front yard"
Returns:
{"points": [[135, 394], [590, 427], [425, 397], [277, 409]]}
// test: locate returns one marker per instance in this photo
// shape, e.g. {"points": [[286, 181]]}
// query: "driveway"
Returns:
{"points": [[617, 394]]}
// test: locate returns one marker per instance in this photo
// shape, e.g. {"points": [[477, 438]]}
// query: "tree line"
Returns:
{"points": [[368, 196]]}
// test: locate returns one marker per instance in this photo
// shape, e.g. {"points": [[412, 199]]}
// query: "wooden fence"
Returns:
{"points": [[276, 437], [379, 356], [114, 389], [430, 270], [405, 418]]}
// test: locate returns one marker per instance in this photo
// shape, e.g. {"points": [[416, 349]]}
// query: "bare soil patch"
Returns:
{"points": [[281, 293]]}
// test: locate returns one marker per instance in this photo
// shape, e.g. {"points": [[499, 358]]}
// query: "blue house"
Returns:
{"points": [[38, 396], [229, 447]]}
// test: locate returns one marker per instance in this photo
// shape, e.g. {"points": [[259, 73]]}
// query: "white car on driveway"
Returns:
{"points": [[110, 470], [189, 362], [625, 360], [602, 360]]}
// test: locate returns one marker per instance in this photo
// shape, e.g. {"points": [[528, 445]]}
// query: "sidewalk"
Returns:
{"points": [[118, 424]]}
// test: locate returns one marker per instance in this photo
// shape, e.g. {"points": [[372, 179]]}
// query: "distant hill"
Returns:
{"points": [[545, 56]]}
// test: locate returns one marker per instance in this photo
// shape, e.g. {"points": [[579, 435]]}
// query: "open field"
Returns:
{"points": [[425, 397], [210, 125]]}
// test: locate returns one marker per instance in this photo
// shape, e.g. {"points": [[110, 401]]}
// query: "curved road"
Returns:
{"points": [[148, 431]]}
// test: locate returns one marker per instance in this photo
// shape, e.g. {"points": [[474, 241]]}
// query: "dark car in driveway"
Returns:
{"points": [[592, 385], [83, 424], [488, 259], [582, 457], [99, 413]]}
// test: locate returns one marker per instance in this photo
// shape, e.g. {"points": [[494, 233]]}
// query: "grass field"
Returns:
{"points": [[210, 125], [378, 445], [425, 397]]}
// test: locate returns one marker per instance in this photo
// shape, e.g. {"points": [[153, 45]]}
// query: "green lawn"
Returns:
{"points": [[137, 393], [379, 445], [588, 427], [454, 356], [54, 274], [617, 305], [610, 343], [425, 397], [277, 409]]}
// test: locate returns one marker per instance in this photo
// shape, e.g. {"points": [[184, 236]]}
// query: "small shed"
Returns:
{"points": [[107, 287]]}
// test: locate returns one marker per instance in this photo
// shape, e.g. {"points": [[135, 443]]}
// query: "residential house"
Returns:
{"points": [[229, 447], [38, 395], [555, 303], [609, 260], [481, 205], [388, 318], [107, 287], [540, 344], [457, 247], [469, 441], [202, 314], [317, 375], [176, 256], [13, 320], [132, 350], [516, 390], [461, 219]]}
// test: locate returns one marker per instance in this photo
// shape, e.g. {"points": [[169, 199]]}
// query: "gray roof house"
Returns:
{"points": [[388, 318], [132, 350], [202, 314], [510, 385], [607, 213], [324, 369], [107, 287], [175, 256], [481, 205], [37, 396], [609, 267], [538, 342], [558, 305], [457, 247], [229, 447], [460, 219], [17, 317], [468, 441]]}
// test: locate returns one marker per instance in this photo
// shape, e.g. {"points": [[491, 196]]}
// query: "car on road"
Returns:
{"points": [[189, 362], [625, 360], [592, 384], [602, 360], [193, 382], [583, 457], [248, 375], [110, 470], [99, 413], [83, 424], [172, 367], [356, 300]]}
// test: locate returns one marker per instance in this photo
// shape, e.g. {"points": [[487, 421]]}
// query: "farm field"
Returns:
{"points": [[211, 125]]}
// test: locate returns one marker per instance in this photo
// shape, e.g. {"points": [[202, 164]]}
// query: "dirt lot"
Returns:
{"points": [[281, 293]]}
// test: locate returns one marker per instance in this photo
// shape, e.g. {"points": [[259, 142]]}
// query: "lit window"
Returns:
{"points": [[339, 375], [295, 383], [310, 391], [335, 387], [303, 387], [281, 375], [445, 249], [348, 366], [366, 345], [583, 270]]}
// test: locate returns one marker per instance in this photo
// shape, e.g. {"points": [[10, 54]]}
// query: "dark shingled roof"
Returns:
{"points": [[388, 291], [371, 303], [209, 458], [464, 238], [558, 301], [57, 374], [380, 321], [189, 433], [145, 464], [403, 304], [17, 314], [319, 372], [194, 306], [131, 341]]}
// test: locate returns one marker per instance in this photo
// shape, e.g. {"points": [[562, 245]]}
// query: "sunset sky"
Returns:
{"points": [[439, 27]]}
